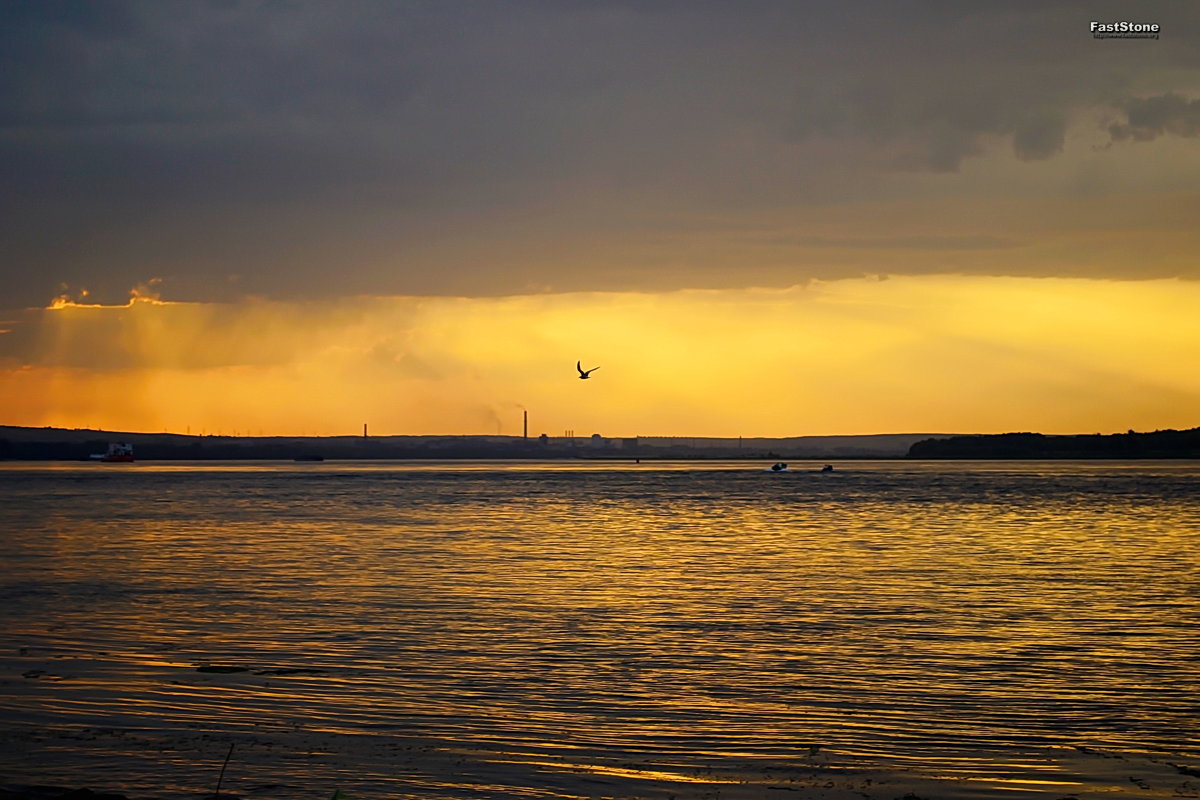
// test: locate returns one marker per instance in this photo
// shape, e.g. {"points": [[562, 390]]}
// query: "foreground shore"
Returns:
{"points": [[129, 765]]}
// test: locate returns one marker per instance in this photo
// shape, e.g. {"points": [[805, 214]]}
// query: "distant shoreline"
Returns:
{"points": [[61, 444], [24, 443], [1167, 444]]}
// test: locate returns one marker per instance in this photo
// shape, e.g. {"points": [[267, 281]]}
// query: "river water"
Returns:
{"points": [[601, 629]]}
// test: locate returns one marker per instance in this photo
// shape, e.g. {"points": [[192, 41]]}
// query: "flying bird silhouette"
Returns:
{"points": [[583, 374]]}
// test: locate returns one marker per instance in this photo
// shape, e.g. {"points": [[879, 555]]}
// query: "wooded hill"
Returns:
{"points": [[1158, 444]]}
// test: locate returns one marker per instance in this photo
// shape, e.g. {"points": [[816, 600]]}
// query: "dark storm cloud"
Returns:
{"points": [[305, 148], [1041, 138], [1151, 117]]}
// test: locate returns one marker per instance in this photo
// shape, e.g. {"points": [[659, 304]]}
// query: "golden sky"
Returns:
{"points": [[906, 354], [759, 219]]}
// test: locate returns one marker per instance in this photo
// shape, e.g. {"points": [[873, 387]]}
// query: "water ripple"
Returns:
{"points": [[962, 620]]}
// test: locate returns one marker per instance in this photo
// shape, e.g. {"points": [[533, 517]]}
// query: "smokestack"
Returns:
{"points": [[364, 430], [525, 430]]}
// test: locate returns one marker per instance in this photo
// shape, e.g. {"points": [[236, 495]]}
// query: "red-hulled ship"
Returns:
{"points": [[117, 451]]}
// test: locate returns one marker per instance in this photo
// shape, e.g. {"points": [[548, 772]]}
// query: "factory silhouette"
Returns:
{"points": [[70, 444]]}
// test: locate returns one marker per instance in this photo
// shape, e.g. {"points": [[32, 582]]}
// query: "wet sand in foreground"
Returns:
{"points": [[366, 767]]}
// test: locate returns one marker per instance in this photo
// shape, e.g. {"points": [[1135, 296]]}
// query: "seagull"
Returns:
{"points": [[584, 374]]}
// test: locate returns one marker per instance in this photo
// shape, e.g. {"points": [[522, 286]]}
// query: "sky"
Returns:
{"points": [[762, 218]]}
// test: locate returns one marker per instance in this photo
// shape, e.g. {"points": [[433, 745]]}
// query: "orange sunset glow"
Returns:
{"points": [[753, 228], [847, 356]]}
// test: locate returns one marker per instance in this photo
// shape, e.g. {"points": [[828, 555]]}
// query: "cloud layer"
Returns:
{"points": [[1151, 117], [304, 149]]}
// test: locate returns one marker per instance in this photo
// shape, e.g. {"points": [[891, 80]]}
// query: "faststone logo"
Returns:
{"points": [[1125, 30]]}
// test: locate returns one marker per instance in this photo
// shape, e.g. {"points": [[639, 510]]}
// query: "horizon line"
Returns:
{"points": [[221, 435]]}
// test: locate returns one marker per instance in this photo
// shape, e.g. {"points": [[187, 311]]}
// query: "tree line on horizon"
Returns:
{"points": [[1129, 445]]}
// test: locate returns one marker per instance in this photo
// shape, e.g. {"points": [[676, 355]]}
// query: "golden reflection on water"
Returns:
{"points": [[950, 619]]}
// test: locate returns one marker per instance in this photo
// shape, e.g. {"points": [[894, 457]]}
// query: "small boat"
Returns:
{"points": [[779, 467], [117, 452]]}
